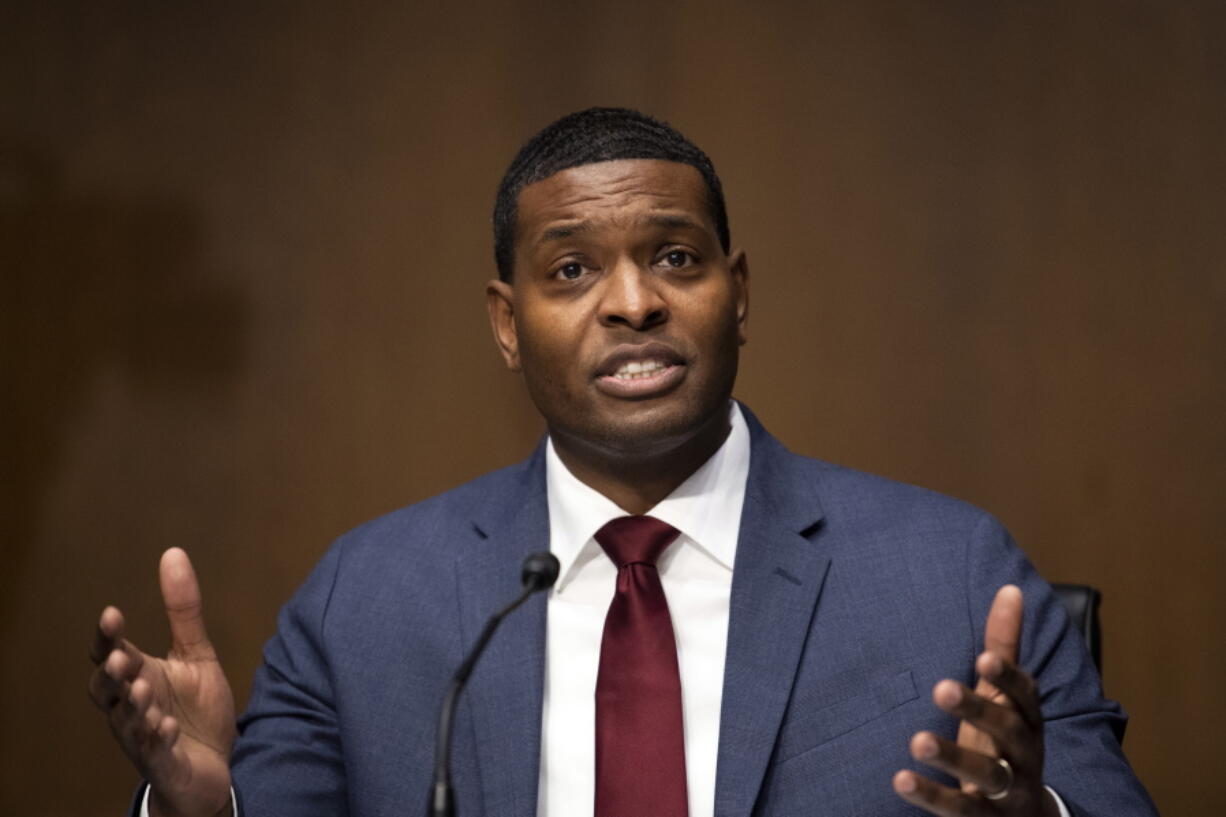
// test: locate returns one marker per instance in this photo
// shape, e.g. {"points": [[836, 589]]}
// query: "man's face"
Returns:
{"points": [[625, 315]]}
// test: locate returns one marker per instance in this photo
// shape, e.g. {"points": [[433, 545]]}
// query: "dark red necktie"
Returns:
{"points": [[640, 745]]}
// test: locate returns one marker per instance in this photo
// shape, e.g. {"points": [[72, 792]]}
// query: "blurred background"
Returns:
{"points": [[243, 249]]}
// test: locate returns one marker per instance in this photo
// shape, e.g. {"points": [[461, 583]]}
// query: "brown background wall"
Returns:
{"points": [[243, 249]]}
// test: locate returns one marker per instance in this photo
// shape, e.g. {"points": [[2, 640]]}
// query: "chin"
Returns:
{"points": [[650, 429]]}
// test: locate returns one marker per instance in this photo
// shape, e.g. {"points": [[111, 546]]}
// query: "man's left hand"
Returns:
{"points": [[999, 752]]}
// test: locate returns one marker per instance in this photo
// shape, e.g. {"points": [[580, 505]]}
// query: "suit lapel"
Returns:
{"points": [[776, 582], [505, 692]]}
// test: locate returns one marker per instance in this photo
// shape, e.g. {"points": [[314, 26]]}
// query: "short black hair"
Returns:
{"points": [[587, 137]]}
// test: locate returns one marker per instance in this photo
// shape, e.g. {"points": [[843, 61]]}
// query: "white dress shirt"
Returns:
{"points": [[696, 572]]}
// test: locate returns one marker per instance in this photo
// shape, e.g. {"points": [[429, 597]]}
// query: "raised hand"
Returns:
{"points": [[173, 717], [999, 752]]}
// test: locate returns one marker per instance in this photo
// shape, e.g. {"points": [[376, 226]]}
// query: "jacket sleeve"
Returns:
{"points": [[1083, 762], [287, 760]]}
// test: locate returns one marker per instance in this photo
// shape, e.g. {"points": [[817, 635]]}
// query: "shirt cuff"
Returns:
{"points": [[1064, 812], [144, 803]]}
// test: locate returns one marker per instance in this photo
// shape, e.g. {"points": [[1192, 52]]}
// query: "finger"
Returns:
{"points": [[935, 798], [104, 690], [107, 636], [139, 723], [1001, 723], [124, 664], [1003, 633], [163, 756], [168, 731], [126, 723], [1015, 683], [967, 765], [181, 594], [141, 696], [153, 719]]}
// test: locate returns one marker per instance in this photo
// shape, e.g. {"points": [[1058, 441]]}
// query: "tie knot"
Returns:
{"points": [[631, 539]]}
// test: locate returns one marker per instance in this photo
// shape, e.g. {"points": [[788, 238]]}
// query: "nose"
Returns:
{"points": [[631, 298]]}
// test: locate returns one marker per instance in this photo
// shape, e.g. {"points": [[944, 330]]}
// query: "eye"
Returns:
{"points": [[676, 259], [569, 271]]}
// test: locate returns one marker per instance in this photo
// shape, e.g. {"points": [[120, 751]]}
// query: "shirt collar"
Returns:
{"points": [[706, 508]]}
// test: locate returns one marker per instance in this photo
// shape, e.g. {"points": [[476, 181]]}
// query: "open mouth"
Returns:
{"points": [[638, 372], [635, 370]]}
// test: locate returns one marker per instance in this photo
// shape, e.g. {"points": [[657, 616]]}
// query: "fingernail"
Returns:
{"points": [[906, 783], [927, 748]]}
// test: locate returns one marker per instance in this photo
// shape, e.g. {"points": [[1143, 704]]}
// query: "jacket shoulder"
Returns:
{"points": [[848, 492], [456, 512], [847, 495]]}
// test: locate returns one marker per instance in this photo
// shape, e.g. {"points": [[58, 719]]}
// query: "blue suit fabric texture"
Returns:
{"points": [[851, 597]]}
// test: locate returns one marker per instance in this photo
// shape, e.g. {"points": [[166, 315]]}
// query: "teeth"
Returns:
{"points": [[637, 370]]}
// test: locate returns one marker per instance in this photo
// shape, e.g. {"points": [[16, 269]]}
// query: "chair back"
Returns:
{"points": [[1081, 601]]}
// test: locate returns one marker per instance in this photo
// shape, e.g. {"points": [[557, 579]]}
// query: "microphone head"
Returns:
{"points": [[540, 571]]}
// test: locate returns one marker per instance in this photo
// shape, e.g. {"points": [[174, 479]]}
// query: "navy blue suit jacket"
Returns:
{"points": [[851, 596]]}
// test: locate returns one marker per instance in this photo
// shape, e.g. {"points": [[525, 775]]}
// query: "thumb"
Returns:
{"points": [[1003, 633], [181, 594]]}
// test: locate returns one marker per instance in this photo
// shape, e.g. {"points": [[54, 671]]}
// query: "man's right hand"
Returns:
{"points": [[174, 717]]}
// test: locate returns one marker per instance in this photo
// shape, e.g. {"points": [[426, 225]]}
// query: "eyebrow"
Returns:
{"points": [[672, 222], [564, 231]]}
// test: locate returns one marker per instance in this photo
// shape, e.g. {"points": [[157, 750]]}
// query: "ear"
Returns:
{"points": [[500, 300], [739, 268]]}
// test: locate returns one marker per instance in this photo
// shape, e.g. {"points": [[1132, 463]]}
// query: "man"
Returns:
{"points": [[736, 630]]}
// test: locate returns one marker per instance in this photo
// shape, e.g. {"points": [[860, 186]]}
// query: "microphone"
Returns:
{"points": [[539, 573]]}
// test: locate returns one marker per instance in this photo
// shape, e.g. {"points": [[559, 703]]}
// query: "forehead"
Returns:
{"points": [[616, 192]]}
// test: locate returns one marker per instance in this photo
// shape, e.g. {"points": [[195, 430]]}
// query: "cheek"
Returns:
{"points": [[716, 324], [550, 351]]}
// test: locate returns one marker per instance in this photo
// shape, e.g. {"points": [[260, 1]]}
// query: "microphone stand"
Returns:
{"points": [[539, 573]]}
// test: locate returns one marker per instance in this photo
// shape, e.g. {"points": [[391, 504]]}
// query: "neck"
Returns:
{"points": [[636, 481]]}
